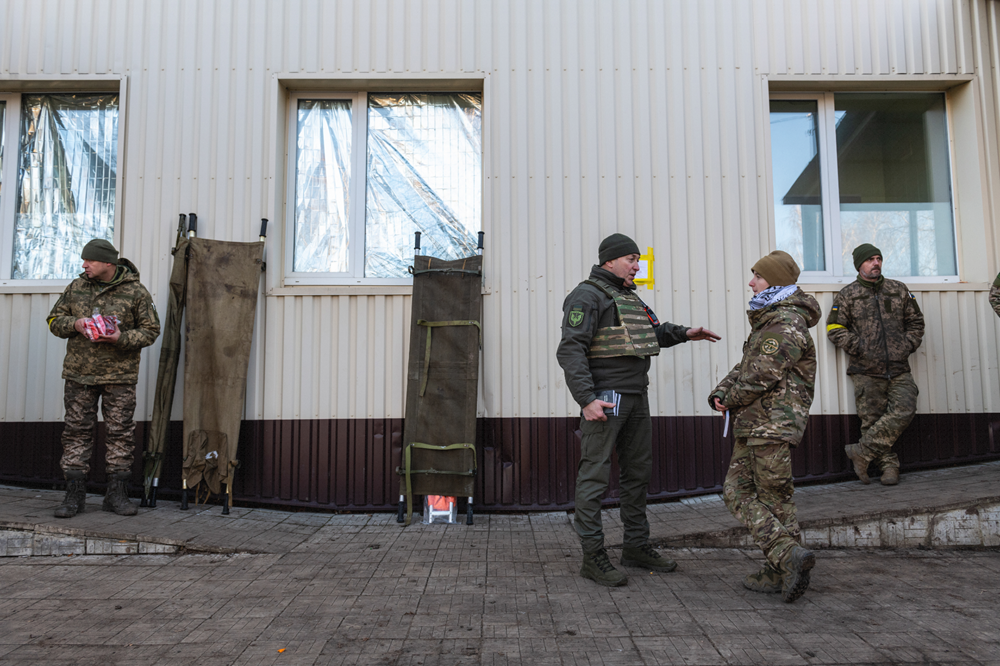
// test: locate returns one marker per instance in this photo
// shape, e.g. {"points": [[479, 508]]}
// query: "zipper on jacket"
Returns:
{"points": [[885, 341]]}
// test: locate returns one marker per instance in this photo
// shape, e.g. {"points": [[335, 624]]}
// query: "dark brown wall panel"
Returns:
{"points": [[524, 464]]}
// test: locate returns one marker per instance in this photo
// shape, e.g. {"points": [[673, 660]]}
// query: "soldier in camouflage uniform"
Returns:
{"points": [[768, 394], [878, 323], [105, 369], [995, 295], [608, 337]]}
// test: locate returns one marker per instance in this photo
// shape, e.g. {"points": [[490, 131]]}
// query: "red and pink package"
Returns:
{"points": [[98, 325]]}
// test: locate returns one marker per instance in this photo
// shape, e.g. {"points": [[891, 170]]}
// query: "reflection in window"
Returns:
{"points": [[322, 186], [424, 166], [798, 211], [66, 181], [895, 184]]}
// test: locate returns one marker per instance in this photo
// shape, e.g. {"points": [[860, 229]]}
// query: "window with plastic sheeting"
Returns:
{"points": [[59, 181], [853, 168], [370, 170]]}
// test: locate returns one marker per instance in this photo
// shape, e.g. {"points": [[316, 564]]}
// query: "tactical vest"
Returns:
{"points": [[635, 336]]}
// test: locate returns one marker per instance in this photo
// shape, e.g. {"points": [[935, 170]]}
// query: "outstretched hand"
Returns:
{"points": [[702, 333]]}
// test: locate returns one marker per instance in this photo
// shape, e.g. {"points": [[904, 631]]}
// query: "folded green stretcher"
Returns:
{"points": [[442, 381]]}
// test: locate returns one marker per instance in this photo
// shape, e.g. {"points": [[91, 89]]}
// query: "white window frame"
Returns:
{"points": [[358, 192], [8, 194], [830, 185]]}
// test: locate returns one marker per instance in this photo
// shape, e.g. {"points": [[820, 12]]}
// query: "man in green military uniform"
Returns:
{"points": [[608, 337], [105, 368], [770, 391], [878, 323]]}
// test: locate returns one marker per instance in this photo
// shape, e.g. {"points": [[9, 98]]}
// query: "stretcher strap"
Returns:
{"points": [[406, 471], [436, 324]]}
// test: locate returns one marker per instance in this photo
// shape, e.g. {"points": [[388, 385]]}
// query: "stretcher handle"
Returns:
{"points": [[263, 228], [416, 242], [192, 225], [480, 246]]}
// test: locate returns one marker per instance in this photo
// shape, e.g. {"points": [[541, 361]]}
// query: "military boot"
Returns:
{"points": [[890, 476], [766, 580], [76, 495], [854, 452], [598, 568], [116, 498], [646, 557], [795, 573]]}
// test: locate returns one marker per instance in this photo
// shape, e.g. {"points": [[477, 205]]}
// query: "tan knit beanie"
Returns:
{"points": [[778, 268]]}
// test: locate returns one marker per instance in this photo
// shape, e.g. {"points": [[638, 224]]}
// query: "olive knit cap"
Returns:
{"points": [[616, 245], [778, 268], [100, 250], [863, 253]]}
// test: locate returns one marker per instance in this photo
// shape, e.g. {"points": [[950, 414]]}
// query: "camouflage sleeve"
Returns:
{"points": [[668, 335], [913, 322], [995, 296], [61, 321], [579, 324], [723, 387], [839, 325], [147, 324], [778, 347]]}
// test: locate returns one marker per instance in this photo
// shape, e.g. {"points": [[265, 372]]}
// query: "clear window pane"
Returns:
{"points": [[322, 186], [424, 174], [895, 184], [798, 209], [66, 182]]}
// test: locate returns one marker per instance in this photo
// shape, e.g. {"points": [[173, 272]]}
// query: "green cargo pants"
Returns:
{"points": [[631, 435], [758, 491], [885, 407]]}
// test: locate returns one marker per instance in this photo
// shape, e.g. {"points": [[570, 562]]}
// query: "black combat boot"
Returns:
{"points": [[116, 498], [76, 495]]}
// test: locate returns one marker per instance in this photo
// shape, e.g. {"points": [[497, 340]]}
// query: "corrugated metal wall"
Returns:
{"points": [[644, 117]]}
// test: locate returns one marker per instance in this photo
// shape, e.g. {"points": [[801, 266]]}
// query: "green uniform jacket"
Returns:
{"points": [[94, 363], [878, 324], [771, 389], [584, 376], [995, 296]]}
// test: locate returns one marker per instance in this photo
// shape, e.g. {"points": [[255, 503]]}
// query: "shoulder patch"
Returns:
{"points": [[769, 345], [575, 316]]}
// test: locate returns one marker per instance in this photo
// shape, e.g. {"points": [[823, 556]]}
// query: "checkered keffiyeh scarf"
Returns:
{"points": [[771, 295]]}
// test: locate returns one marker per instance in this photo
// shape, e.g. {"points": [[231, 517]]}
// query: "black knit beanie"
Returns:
{"points": [[100, 250], [616, 245], [863, 253]]}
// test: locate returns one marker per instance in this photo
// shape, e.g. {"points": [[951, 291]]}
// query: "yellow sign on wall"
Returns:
{"points": [[645, 274]]}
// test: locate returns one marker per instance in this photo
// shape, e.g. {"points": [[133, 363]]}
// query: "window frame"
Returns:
{"points": [[830, 184], [358, 190], [8, 200]]}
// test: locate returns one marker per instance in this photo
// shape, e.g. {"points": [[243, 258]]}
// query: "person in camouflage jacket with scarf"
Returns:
{"points": [[995, 295], [879, 324], [105, 369], [768, 394]]}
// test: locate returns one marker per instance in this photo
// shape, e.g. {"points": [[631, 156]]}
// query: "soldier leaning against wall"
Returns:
{"points": [[878, 323]]}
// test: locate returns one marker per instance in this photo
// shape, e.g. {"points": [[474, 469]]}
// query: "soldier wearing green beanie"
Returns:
{"points": [[878, 323], [101, 365], [608, 337]]}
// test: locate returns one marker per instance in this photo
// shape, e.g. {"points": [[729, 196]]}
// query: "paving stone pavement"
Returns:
{"points": [[295, 588]]}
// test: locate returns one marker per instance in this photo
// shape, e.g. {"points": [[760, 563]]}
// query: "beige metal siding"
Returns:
{"points": [[645, 117]]}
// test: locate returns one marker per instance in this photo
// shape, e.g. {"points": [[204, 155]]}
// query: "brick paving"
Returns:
{"points": [[293, 588]]}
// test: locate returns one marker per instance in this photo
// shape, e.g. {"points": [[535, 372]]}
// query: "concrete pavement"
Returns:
{"points": [[274, 587]]}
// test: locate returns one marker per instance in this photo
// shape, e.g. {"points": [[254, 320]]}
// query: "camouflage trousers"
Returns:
{"points": [[758, 491], [885, 407], [631, 435], [117, 406]]}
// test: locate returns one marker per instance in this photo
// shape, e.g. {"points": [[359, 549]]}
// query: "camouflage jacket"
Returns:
{"points": [[995, 296], [585, 310], [771, 389], [878, 324], [94, 363]]}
